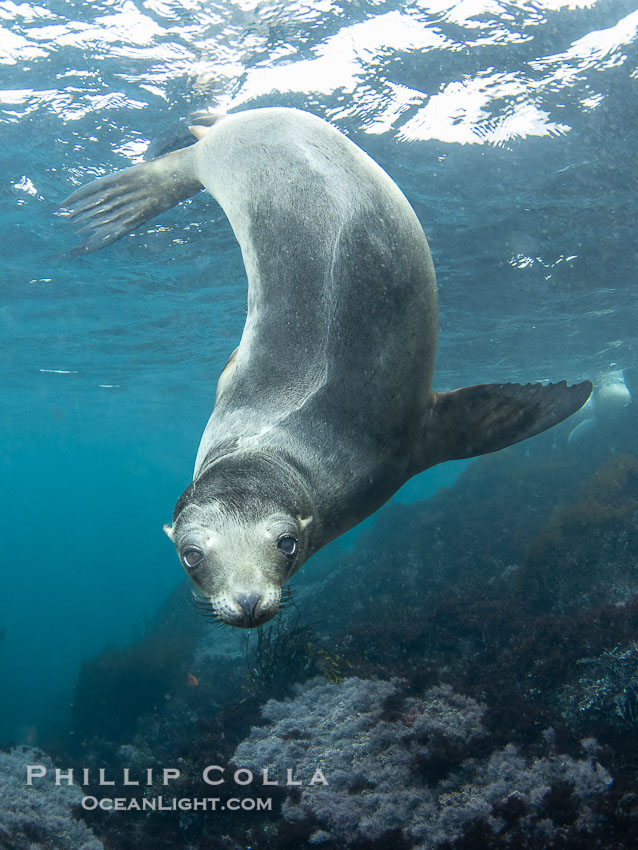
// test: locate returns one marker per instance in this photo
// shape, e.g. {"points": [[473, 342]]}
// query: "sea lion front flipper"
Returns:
{"points": [[112, 206], [484, 418]]}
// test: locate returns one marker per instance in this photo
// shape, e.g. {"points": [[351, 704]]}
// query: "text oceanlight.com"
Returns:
{"points": [[183, 804]]}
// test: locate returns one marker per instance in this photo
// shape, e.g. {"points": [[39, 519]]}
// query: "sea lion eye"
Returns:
{"points": [[288, 545], [192, 557]]}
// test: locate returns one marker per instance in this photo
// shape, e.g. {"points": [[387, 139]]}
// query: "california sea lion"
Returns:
{"points": [[326, 407]]}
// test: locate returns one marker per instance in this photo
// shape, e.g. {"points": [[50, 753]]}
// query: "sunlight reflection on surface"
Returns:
{"points": [[241, 51]]}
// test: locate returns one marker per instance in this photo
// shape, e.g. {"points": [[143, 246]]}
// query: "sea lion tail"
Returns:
{"points": [[112, 206], [484, 418]]}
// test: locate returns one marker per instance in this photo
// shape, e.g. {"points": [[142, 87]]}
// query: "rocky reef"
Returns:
{"points": [[42, 815], [422, 767]]}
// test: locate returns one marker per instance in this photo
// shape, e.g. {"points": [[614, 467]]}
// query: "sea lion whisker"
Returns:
{"points": [[209, 614], [213, 618], [216, 622], [203, 606], [201, 601], [287, 601]]}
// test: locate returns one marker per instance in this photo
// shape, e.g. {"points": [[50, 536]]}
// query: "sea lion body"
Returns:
{"points": [[326, 408], [330, 321]]}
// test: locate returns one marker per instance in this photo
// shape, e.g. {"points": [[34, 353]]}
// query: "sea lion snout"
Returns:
{"points": [[244, 608], [247, 610], [236, 595], [248, 603]]}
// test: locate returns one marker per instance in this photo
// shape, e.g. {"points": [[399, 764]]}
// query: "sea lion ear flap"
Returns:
{"points": [[484, 418], [168, 531], [198, 131]]}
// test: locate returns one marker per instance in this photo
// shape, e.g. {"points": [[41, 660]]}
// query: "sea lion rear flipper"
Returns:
{"points": [[484, 418], [112, 206]]}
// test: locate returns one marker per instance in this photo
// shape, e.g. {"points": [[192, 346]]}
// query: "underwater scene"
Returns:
{"points": [[456, 665]]}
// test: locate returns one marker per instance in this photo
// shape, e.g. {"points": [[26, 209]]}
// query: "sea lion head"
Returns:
{"points": [[241, 530]]}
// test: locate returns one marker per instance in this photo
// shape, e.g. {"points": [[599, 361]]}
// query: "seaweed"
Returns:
{"points": [[283, 653]]}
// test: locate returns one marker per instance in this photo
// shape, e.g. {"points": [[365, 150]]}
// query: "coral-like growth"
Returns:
{"points": [[607, 689], [424, 773], [39, 816]]}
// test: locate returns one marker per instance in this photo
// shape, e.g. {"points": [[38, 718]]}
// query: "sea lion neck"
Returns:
{"points": [[247, 479]]}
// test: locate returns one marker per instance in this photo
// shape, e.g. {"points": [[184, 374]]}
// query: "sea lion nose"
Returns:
{"points": [[248, 602]]}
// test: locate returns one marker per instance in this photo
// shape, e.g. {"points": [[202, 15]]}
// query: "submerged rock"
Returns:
{"points": [[39, 816]]}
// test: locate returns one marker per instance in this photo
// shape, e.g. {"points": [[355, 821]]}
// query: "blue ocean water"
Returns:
{"points": [[510, 127]]}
